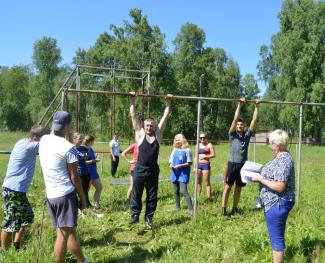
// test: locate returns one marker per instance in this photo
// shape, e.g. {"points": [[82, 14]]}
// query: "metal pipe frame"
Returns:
{"points": [[56, 96], [83, 90], [111, 68], [197, 156]]}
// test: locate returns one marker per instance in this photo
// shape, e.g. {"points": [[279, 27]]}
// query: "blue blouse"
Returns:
{"points": [[180, 156], [280, 169], [92, 167]]}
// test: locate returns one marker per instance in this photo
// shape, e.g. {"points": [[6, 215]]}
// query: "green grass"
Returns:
{"points": [[178, 238]]}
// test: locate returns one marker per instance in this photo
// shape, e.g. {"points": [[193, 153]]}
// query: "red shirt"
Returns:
{"points": [[134, 149]]}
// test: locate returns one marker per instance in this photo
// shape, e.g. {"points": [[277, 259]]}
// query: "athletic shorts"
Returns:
{"points": [[204, 166], [17, 211], [233, 174], [63, 210]]}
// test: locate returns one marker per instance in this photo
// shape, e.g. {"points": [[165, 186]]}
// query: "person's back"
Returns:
{"points": [[54, 157], [21, 165]]}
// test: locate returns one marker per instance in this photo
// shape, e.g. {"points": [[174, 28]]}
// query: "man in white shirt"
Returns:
{"points": [[115, 153], [59, 161]]}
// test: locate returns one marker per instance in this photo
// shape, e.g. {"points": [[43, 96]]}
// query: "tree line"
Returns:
{"points": [[292, 66]]}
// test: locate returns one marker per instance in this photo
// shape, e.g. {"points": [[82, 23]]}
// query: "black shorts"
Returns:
{"points": [[233, 174]]}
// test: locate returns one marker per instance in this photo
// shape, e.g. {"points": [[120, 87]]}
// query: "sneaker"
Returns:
{"points": [[17, 245], [134, 219], [224, 212], [235, 211], [149, 222]]}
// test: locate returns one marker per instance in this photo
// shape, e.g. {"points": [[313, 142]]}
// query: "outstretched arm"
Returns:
{"points": [[163, 121], [135, 121], [237, 114], [255, 114]]}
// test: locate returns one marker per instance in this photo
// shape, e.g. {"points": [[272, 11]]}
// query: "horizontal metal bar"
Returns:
{"points": [[112, 68], [83, 90]]}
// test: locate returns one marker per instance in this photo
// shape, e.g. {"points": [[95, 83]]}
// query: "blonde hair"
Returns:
{"points": [[182, 139], [280, 138]]}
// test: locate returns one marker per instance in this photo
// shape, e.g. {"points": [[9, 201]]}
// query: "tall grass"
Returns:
{"points": [[176, 236]]}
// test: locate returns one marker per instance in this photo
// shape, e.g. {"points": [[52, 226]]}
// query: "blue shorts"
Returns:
{"points": [[204, 166], [94, 176], [276, 219]]}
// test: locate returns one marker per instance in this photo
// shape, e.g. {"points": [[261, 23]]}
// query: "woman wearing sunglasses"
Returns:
{"points": [[206, 152]]}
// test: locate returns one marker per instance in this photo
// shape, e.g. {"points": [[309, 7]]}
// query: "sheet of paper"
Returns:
{"points": [[249, 170]]}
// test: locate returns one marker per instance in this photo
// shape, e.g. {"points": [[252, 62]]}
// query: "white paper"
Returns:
{"points": [[249, 170]]}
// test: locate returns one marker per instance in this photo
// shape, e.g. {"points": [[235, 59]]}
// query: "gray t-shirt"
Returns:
{"points": [[239, 146]]}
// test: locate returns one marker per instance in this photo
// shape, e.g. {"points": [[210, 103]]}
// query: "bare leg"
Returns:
{"points": [[6, 238], [99, 187], [206, 175], [199, 182], [236, 196], [278, 256], [225, 195], [128, 195], [74, 246], [60, 246], [20, 234]]}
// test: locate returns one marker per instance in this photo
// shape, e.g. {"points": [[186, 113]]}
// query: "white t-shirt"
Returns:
{"points": [[115, 145], [55, 153]]}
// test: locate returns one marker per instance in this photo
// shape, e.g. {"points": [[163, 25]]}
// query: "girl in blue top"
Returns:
{"points": [[94, 176], [180, 161]]}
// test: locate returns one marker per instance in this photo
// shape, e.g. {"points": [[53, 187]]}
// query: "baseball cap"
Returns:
{"points": [[60, 119]]}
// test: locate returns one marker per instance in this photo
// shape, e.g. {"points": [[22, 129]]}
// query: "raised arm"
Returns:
{"points": [[163, 121], [125, 152], [236, 116], [135, 121], [255, 114]]}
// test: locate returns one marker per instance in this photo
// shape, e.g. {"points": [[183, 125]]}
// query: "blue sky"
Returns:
{"points": [[239, 27]]}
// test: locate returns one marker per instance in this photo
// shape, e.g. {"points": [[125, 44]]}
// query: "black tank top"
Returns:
{"points": [[148, 153]]}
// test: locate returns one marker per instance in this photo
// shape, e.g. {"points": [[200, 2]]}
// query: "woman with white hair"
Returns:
{"points": [[277, 191]]}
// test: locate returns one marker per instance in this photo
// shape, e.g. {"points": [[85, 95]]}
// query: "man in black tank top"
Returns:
{"points": [[146, 171]]}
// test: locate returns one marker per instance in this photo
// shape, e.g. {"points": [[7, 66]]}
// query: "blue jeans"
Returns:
{"points": [[276, 218]]}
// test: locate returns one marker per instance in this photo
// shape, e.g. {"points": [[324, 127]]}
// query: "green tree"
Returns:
{"points": [[294, 62], [14, 83], [46, 57]]}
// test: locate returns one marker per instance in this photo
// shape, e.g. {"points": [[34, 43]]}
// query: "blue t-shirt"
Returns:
{"points": [[92, 167], [82, 166], [21, 166], [180, 156]]}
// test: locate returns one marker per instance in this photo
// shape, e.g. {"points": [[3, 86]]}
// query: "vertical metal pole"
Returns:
{"points": [[113, 103], [148, 88], [62, 98], [78, 98], [255, 148], [299, 154], [197, 155], [142, 99]]}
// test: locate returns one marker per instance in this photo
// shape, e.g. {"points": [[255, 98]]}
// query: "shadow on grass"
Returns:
{"points": [[139, 255], [106, 239], [310, 248], [173, 221]]}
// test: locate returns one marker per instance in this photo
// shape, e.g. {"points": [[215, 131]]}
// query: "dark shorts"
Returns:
{"points": [[63, 210], [204, 166], [94, 176], [233, 174], [17, 211]]}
